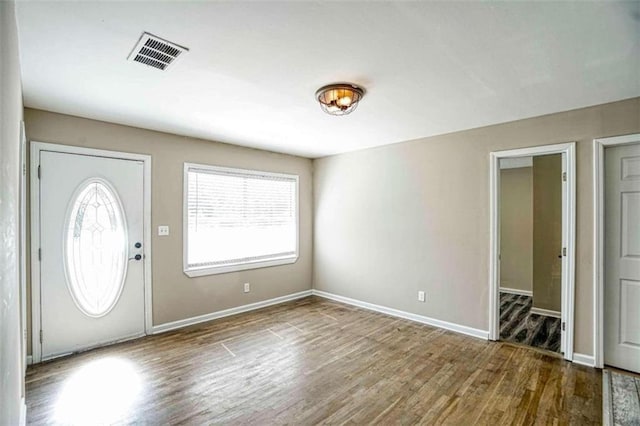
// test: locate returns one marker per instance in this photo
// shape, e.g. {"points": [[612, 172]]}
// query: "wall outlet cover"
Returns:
{"points": [[421, 296], [247, 287], [163, 230]]}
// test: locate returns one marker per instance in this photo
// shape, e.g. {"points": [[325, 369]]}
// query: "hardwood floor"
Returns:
{"points": [[313, 361]]}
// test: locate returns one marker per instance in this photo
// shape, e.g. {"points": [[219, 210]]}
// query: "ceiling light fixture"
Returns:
{"points": [[339, 98]]}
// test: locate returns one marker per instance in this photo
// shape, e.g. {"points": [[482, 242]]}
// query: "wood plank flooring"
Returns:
{"points": [[519, 325], [313, 361]]}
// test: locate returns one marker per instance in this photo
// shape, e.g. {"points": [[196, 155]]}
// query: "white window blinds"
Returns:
{"points": [[239, 217]]}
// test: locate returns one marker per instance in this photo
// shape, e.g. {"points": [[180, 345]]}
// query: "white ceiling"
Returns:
{"points": [[253, 67]]}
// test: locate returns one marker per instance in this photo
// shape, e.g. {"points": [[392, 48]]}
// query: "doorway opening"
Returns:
{"points": [[532, 247]]}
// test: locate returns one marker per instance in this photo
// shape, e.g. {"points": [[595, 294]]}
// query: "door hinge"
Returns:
{"points": [[39, 254], [563, 325], [39, 172], [24, 169], [564, 251], [564, 176], [40, 336]]}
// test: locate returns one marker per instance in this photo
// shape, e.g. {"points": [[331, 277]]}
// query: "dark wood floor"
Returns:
{"points": [[519, 325], [313, 361]]}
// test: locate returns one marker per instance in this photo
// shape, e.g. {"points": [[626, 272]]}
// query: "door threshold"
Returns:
{"points": [[93, 347], [559, 355]]}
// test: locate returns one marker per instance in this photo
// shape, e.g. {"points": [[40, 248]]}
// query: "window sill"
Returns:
{"points": [[199, 272]]}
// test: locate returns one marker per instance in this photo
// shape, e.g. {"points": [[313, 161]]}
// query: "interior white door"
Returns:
{"points": [[91, 236], [622, 257]]}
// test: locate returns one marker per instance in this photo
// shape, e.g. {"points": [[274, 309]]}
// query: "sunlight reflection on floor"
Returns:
{"points": [[101, 392]]}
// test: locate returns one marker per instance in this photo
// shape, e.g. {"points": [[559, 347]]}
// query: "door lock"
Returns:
{"points": [[137, 256]]}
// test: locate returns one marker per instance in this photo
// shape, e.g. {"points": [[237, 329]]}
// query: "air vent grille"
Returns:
{"points": [[155, 52], [148, 61]]}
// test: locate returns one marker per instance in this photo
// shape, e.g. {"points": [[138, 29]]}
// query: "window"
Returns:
{"points": [[95, 248], [238, 219]]}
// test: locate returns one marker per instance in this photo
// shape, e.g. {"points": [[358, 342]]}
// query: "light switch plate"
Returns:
{"points": [[163, 230]]}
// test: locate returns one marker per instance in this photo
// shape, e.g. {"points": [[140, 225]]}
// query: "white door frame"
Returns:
{"points": [[23, 244], [36, 148], [598, 239], [568, 237]]}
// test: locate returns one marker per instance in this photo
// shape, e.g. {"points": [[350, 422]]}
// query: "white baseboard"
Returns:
{"points": [[23, 412], [582, 359], [516, 291], [545, 312], [29, 360], [228, 312], [474, 332]]}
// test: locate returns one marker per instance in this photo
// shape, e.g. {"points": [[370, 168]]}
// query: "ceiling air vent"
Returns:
{"points": [[156, 52]]}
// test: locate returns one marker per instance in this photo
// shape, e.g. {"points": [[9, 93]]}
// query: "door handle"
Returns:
{"points": [[136, 257]]}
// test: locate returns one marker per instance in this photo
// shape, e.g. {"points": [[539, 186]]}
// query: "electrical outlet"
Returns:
{"points": [[247, 287], [163, 230], [421, 296]]}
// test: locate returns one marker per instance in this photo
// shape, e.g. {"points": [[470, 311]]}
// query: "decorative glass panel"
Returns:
{"points": [[95, 248]]}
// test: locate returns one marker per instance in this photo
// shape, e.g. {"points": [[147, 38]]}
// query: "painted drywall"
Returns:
{"points": [[392, 220], [547, 232], [516, 228], [11, 360], [176, 296]]}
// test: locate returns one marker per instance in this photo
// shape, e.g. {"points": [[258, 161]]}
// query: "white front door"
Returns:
{"points": [[622, 257], [91, 240]]}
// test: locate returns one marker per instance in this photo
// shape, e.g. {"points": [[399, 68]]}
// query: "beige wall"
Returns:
{"points": [[11, 360], [516, 228], [392, 220], [547, 232], [175, 296], [389, 221]]}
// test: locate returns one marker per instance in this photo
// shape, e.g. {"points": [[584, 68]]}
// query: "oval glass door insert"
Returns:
{"points": [[95, 248]]}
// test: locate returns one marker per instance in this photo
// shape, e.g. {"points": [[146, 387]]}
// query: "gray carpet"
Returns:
{"points": [[622, 400], [519, 325]]}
